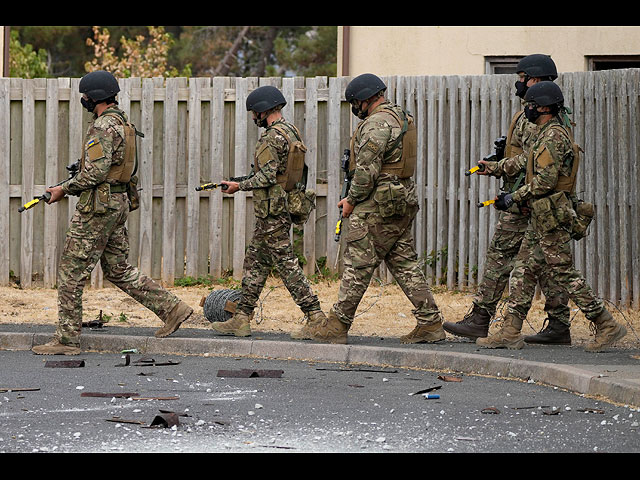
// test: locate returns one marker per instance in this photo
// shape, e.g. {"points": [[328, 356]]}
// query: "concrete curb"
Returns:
{"points": [[572, 378]]}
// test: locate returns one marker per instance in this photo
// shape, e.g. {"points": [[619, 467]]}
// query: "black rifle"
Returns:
{"points": [[346, 185], [499, 146], [73, 170]]}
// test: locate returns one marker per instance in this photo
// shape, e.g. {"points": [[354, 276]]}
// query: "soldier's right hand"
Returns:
{"points": [[57, 194]]}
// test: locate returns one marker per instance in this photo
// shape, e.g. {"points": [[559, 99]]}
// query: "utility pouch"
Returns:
{"points": [[85, 201], [542, 215], [132, 193], [277, 200], [391, 199], [585, 212], [300, 203], [563, 209]]}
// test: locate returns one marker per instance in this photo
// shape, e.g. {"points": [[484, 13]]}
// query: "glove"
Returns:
{"points": [[504, 201]]}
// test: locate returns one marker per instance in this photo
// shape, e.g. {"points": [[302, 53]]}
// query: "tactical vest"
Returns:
{"points": [[295, 160], [406, 166], [565, 183], [511, 184]]}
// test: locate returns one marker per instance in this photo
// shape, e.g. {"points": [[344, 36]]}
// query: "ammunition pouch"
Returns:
{"points": [[132, 193], [391, 199], [269, 201], [551, 212]]}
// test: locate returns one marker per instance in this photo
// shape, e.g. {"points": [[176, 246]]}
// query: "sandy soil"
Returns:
{"points": [[384, 310]]}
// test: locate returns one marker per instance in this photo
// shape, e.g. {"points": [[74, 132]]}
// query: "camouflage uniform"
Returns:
{"points": [[98, 232], [380, 224], [510, 231], [546, 246], [271, 244]]}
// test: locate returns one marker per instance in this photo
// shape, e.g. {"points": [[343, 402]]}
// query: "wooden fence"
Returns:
{"points": [[197, 130]]}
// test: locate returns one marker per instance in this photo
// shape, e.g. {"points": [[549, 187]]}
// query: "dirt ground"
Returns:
{"points": [[383, 312]]}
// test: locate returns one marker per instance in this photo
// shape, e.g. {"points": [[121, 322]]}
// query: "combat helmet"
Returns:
{"points": [[364, 86], [264, 98], [538, 65], [99, 85], [545, 94]]}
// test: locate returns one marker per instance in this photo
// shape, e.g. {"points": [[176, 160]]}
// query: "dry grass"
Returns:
{"points": [[384, 310]]}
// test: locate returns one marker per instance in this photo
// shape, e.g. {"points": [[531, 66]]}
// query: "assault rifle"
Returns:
{"points": [[212, 186], [499, 146], [73, 170], [346, 185]]}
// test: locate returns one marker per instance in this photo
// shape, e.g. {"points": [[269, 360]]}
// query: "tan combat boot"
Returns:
{"points": [[425, 333], [607, 332], [313, 319], [176, 316], [238, 325], [54, 347], [330, 330], [507, 337]]}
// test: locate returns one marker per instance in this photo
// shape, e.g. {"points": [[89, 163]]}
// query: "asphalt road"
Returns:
{"points": [[290, 406]]}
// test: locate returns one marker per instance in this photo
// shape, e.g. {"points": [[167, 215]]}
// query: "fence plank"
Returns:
{"points": [[5, 166]]}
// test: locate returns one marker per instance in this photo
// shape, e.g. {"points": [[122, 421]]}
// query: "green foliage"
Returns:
{"points": [[24, 61]]}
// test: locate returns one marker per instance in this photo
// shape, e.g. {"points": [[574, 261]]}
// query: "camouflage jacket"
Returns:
{"points": [[373, 141], [551, 155], [104, 147]]}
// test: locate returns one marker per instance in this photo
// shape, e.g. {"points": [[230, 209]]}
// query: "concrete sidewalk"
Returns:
{"points": [[613, 375]]}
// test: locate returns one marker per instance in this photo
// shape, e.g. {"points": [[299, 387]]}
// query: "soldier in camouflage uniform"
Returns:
{"points": [[277, 169], [512, 225], [97, 231], [381, 206], [552, 167]]}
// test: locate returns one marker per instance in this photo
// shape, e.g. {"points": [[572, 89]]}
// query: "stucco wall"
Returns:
{"points": [[432, 50]]}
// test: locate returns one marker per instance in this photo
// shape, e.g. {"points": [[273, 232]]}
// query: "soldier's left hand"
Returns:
{"points": [[57, 194], [232, 187], [503, 201], [347, 208]]}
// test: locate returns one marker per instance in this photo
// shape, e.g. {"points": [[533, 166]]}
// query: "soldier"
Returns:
{"points": [[97, 230], [511, 227], [552, 167], [381, 206], [278, 166]]}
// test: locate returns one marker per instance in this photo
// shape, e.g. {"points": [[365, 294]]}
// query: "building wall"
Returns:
{"points": [[449, 50]]}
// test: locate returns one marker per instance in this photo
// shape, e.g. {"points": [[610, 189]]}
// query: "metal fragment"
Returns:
{"points": [[166, 420], [109, 395], [492, 410], [426, 390], [64, 363]]}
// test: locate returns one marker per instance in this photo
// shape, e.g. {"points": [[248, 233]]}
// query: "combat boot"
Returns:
{"points": [[176, 316], [330, 330], [475, 324], [555, 333], [238, 325], [313, 319], [607, 332], [425, 333], [55, 347], [507, 337]]}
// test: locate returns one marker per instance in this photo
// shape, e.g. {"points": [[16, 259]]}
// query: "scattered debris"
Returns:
{"points": [[551, 412], [109, 395], [64, 363], [95, 324], [150, 362], [127, 361], [249, 373], [130, 350], [155, 398], [591, 410], [431, 396], [449, 378], [491, 410], [358, 370], [5, 389], [529, 408], [426, 390], [166, 420]]}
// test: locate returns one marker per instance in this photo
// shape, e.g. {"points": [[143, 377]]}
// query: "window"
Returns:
{"points": [[609, 62], [501, 65]]}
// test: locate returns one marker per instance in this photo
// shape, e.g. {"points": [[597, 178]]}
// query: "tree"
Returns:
{"points": [[140, 56], [24, 61]]}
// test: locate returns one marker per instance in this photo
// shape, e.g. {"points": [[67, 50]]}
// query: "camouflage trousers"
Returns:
{"points": [[500, 260], [372, 239], [548, 252], [101, 237], [271, 248]]}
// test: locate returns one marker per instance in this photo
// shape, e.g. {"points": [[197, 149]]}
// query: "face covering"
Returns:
{"points": [[89, 104], [355, 109], [532, 113], [260, 122], [521, 89]]}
